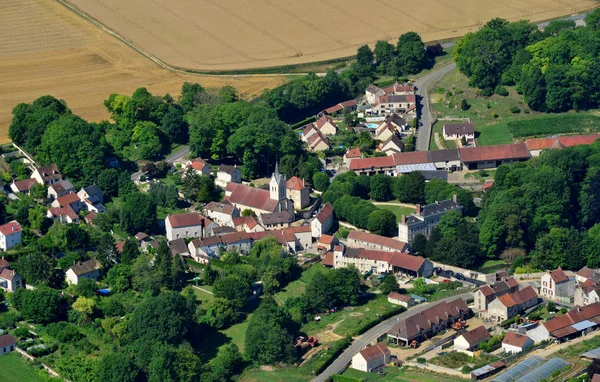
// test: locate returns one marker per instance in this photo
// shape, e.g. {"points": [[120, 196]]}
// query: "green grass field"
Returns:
{"points": [[402, 374], [293, 289], [237, 333], [14, 369], [202, 295], [397, 210]]}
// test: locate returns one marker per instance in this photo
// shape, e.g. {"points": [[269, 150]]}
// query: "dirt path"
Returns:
{"points": [[395, 204]]}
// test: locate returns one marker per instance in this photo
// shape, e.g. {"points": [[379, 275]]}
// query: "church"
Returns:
{"points": [[259, 200]]}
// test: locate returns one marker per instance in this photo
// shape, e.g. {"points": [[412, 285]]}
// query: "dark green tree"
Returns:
{"points": [[117, 367], [138, 213]]}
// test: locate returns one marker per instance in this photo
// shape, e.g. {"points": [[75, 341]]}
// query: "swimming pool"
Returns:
{"points": [[372, 125]]}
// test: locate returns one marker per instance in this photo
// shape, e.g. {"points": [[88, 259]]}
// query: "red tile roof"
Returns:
{"points": [[251, 197], [487, 185], [515, 339], [585, 272], [573, 316], [386, 242], [492, 153], [367, 163], [507, 300], [198, 164], [323, 121], [399, 297], [476, 336], [411, 157], [596, 378], [487, 291], [349, 103], [326, 239], [375, 351], [338, 248], [353, 153], [558, 276], [10, 228], [295, 183], [68, 199], [25, 184], [63, 211], [8, 274], [512, 282], [3, 263], [324, 213], [406, 261], [566, 141], [523, 295], [188, 220], [120, 245], [6, 340], [334, 108], [328, 259]]}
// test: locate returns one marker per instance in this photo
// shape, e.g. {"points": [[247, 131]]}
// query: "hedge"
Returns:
{"points": [[328, 356], [369, 324], [343, 378], [555, 124], [303, 122]]}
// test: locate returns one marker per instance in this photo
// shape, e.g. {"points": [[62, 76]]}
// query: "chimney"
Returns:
{"points": [[403, 219], [455, 198], [419, 210]]}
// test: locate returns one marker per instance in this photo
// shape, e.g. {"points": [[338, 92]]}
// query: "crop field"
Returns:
{"points": [[47, 49], [241, 34]]}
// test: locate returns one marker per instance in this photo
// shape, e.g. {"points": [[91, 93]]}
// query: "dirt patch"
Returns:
{"points": [[268, 368], [238, 34], [356, 314], [327, 335], [47, 49]]}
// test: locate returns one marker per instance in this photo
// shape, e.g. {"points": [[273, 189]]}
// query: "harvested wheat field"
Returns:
{"points": [[242, 34], [47, 49]]}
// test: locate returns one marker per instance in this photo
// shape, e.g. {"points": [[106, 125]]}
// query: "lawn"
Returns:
{"points": [[237, 333], [201, 295], [15, 369], [397, 210], [491, 265], [401, 374], [293, 289], [455, 360]]}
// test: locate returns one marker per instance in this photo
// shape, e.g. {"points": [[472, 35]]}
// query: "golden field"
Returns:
{"points": [[47, 49], [241, 34]]}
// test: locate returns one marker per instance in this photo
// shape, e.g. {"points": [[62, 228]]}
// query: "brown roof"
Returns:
{"points": [[197, 164], [526, 294], [487, 185], [227, 169], [596, 378], [252, 197], [375, 351], [85, 267], [585, 272], [507, 300], [515, 339], [308, 128], [411, 157], [353, 153], [459, 128], [326, 239], [188, 220], [558, 276], [207, 241], [386, 242], [10, 228], [3, 263], [68, 199], [573, 316], [367, 163], [399, 297], [476, 336], [224, 207], [62, 186], [323, 120], [25, 184], [64, 211], [349, 103], [486, 291], [91, 216], [295, 183], [249, 221], [276, 218], [8, 274], [324, 213], [232, 238], [178, 247], [406, 261], [328, 259], [120, 245], [49, 172], [334, 108], [511, 282], [492, 153], [410, 327], [6, 340], [565, 141], [140, 236]]}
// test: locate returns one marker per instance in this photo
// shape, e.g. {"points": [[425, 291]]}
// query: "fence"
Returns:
{"points": [[32, 358]]}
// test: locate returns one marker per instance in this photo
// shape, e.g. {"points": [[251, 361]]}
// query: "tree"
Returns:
{"points": [[229, 362], [148, 139], [412, 57], [389, 284], [464, 105], [38, 191], [106, 252], [174, 126], [248, 212], [319, 292], [108, 181], [219, 313], [419, 285], [321, 181], [385, 54], [86, 288], [169, 364], [117, 367], [177, 273], [555, 26], [130, 251], [126, 186], [228, 94], [191, 96], [380, 187], [42, 305], [592, 20], [409, 188], [209, 275], [533, 86], [85, 306], [37, 268], [163, 265], [419, 244], [382, 222], [138, 213], [364, 56], [232, 288]]}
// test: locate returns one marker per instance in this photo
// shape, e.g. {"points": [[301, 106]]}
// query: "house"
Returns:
{"points": [[536, 145], [401, 299], [509, 305], [322, 223], [326, 125], [89, 218], [47, 175], [92, 198], [372, 93], [375, 165], [359, 239], [70, 200], [317, 142], [326, 243], [428, 322], [391, 103], [22, 186], [384, 131], [59, 189], [202, 250], [10, 280], [459, 131], [397, 122], [399, 89], [198, 166], [371, 358], [390, 146], [142, 239], [585, 274], [219, 231], [488, 293], [187, 225], [7, 344], [308, 131], [240, 242], [515, 343], [292, 239], [349, 105], [179, 248], [557, 286], [247, 224], [258, 200], [10, 235], [63, 215], [352, 154], [228, 174], [276, 220], [89, 269], [577, 321], [587, 293], [379, 262], [475, 158], [469, 341], [298, 191], [425, 218], [448, 160], [222, 213]]}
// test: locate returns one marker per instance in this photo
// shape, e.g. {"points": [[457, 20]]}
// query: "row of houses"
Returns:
{"points": [[472, 158]]}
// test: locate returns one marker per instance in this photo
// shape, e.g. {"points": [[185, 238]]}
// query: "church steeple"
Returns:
{"points": [[277, 186]]}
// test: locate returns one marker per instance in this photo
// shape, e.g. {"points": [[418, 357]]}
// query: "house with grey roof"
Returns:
{"points": [[425, 219], [84, 270], [228, 174], [92, 197], [62, 188]]}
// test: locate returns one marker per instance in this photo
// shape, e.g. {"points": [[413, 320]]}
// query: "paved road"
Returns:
{"points": [[340, 364], [170, 159], [423, 84]]}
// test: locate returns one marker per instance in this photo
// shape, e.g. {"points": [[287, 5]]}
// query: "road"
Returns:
{"points": [[172, 158], [423, 84], [371, 335]]}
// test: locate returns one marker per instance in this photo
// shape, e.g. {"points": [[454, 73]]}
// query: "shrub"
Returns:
{"points": [[466, 369], [492, 344], [328, 356], [515, 110], [421, 360], [22, 332], [464, 105], [487, 92], [494, 115], [8, 320], [449, 94], [501, 91]]}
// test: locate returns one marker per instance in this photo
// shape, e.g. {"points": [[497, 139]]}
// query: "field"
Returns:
{"points": [[14, 369], [47, 49], [211, 35], [555, 124], [397, 210]]}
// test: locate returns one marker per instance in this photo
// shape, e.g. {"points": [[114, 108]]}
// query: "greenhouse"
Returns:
{"points": [[544, 371], [519, 369]]}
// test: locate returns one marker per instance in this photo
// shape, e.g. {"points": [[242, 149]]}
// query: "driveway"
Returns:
{"points": [[371, 335]]}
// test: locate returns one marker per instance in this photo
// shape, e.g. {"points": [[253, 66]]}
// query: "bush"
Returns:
{"points": [[466, 369], [515, 110], [328, 356], [487, 92], [421, 360], [8, 320], [492, 344], [22, 332], [494, 115], [509, 322], [464, 105], [501, 91]]}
